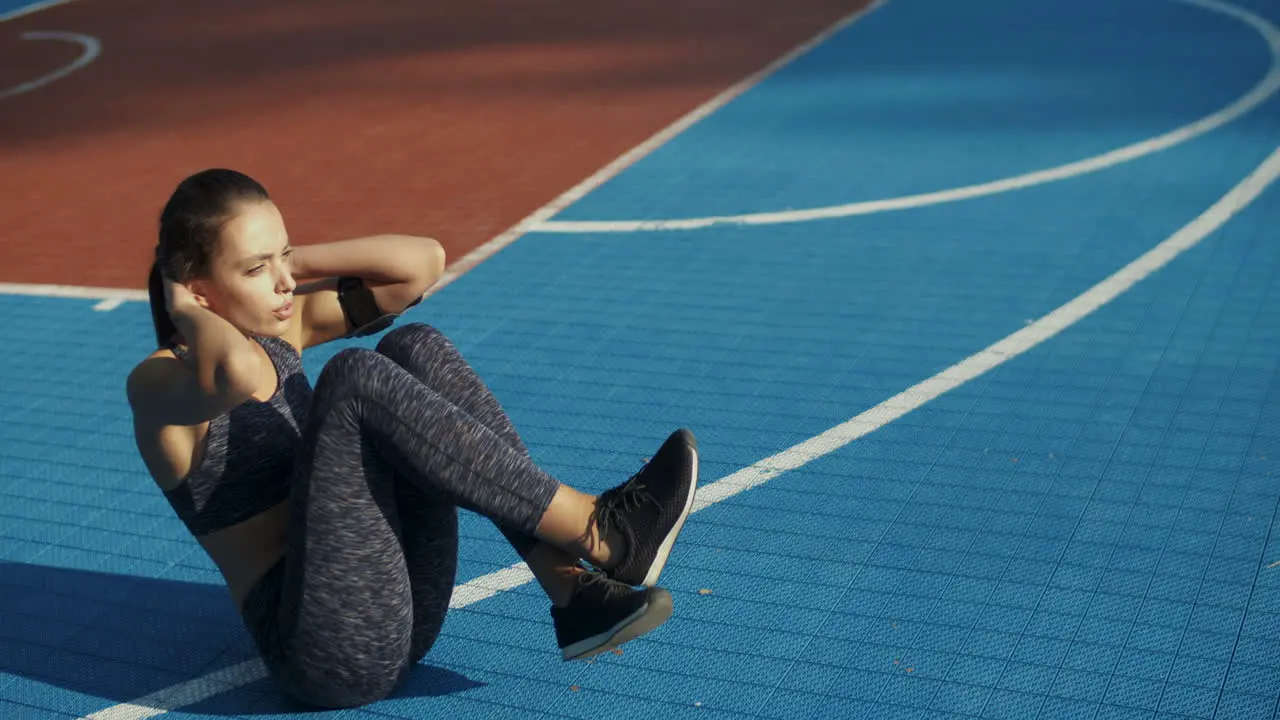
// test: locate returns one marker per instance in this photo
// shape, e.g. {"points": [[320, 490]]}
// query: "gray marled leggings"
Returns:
{"points": [[395, 441]]}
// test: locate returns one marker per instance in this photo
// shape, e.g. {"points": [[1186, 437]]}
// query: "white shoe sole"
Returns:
{"points": [[648, 617], [664, 550]]}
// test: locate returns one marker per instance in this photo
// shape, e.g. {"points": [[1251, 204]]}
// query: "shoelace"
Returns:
{"points": [[613, 503], [588, 577]]}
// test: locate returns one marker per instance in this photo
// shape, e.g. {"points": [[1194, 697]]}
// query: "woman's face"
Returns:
{"points": [[250, 283]]}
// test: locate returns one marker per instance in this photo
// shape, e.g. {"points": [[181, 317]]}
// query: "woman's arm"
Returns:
{"points": [[398, 269], [224, 369], [379, 259]]}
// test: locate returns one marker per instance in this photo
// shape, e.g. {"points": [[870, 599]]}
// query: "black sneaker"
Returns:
{"points": [[650, 508], [604, 613]]}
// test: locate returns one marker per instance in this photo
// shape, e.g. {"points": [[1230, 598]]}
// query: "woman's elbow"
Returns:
{"points": [[433, 266], [424, 269]]}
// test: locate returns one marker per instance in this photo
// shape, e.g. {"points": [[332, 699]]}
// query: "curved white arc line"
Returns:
{"points": [[90, 52], [1265, 88]]}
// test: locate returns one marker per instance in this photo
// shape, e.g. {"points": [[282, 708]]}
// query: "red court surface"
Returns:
{"points": [[453, 120]]}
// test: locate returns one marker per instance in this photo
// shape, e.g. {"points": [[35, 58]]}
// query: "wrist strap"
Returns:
{"points": [[361, 308]]}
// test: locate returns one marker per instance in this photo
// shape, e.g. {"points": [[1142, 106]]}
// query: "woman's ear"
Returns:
{"points": [[201, 291]]}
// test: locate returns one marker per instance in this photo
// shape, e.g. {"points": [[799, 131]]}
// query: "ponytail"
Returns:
{"points": [[166, 331]]}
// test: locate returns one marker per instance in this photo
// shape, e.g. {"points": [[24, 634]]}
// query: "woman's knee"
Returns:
{"points": [[402, 341], [346, 365], [352, 372]]}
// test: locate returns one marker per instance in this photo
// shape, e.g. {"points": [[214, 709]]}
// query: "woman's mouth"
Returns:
{"points": [[284, 312]]}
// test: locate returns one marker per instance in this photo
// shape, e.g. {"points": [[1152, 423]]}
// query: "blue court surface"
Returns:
{"points": [[16, 8], [1004, 452]]}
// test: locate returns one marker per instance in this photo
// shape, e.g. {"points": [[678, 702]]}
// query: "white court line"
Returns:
{"points": [[201, 688], [92, 48], [1265, 88], [73, 291], [631, 157], [483, 252], [762, 471], [111, 299], [29, 9], [90, 52]]}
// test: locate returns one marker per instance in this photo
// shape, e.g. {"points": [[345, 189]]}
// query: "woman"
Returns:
{"points": [[332, 511]]}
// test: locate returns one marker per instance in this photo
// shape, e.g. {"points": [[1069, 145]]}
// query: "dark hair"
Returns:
{"points": [[190, 226]]}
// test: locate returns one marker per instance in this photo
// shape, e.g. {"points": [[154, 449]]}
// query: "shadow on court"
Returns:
{"points": [[118, 638]]}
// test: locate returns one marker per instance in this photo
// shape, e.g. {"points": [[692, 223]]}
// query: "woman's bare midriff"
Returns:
{"points": [[246, 551]]}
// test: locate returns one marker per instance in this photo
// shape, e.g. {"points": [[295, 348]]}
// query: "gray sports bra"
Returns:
{"points": [[249, 452]]}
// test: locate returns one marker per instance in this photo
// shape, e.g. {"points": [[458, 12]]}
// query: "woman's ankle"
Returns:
{"points": [[556, 571], [571, 523]]}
